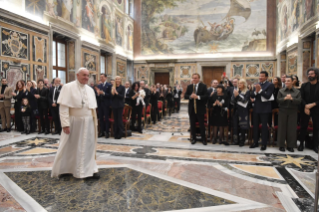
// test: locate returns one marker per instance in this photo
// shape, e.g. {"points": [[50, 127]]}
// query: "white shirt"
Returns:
{"points": [[196, 88], [126, 89], [54, 94]]}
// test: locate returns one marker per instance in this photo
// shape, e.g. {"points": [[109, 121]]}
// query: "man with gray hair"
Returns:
{"points": [[76, 153]]}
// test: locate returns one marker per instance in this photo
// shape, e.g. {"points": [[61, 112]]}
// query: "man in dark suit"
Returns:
{"points": [[197, 95], [104, 102], [263, 93], [177, 96], [43, 106], [53, 99], [310, 108], [127, 97], [283, 80]]}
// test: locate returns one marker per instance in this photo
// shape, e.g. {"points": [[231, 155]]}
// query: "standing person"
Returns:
{"points": [[29, 94], [136, 108], [240, 99], [197, 95], [170, 100], [289, 99], [218, 119], [117, 106], [310, 108], [274, 104], [147, 92], [295, 81], [162, 93], [53, 99], [154, 100], [18, 95], [263, 95], [283, 80], [26, 114], [76, 153], [5, 105], [177, 97], [104, 102], [46, 83], [43, 106], [127, 97]]}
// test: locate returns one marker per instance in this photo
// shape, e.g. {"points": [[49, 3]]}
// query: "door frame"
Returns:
{"points": [[169, 70], [227, 66]]}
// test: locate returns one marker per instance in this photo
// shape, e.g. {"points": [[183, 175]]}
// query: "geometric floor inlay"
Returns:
{"points": [[118, 189]]}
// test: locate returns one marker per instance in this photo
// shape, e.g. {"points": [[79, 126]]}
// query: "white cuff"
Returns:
{"points": [[198, 97], [261, 90]]}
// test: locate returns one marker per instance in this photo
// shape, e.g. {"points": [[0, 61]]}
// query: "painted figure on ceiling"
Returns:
{"points": [[106, 27], [67, 6], [309, 9], [119, 31], [89, 15], [130, 38]]}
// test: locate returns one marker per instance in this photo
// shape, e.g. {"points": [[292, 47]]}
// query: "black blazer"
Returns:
{"points": [[179, 93], [56, 95], [18, 99], [128, 98], [32, 100], [305, 95], [118, 99], [43, 100], [105, 100], [147, 96], [212, 99], [202, 93], [267, 91]]}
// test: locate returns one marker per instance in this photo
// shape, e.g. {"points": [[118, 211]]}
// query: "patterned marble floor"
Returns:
{"points": [[157, 171]]}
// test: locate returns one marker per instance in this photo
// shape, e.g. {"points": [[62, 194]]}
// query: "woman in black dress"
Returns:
{"points": [[117, 107], [29, 94], [170, 100], [241, 99], [218, 118], [18, 95], [136, 109]]}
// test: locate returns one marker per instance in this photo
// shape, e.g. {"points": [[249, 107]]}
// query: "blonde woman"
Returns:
{"points": [[240, 98], [118, 91]]}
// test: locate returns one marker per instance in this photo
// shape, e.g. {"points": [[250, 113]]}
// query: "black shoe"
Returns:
{"points": [[46, 133], [23, 132], [193, 141], [9, 130], [253, 145], [3, 130], [263, 147], [226, 143], [315, 149], [140, 131], [204, 142], [241, 144], [101, 135], [214, 140], [95, 176], [290, 149], [55, 133], [301, 147], [65, 175], [282, 149], [107, 135], [41, 132], [28, 132]]}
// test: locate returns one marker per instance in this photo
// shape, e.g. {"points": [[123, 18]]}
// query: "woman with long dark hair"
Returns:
{"points": [[18, 95], [136, 108]]}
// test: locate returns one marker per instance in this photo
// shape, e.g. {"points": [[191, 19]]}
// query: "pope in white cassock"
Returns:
{"points": [[76, 153]]}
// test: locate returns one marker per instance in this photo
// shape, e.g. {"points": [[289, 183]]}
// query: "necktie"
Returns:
{"points": [[195, 106], [54, 94]]}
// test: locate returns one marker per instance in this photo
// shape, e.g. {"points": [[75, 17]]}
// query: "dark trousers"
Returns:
{"points": [[56, 118], [26, 123], [33, 124], [104, 112], [236, 128], [118, 122], [304, 121], [44, 119], [287, 126], [200, 118], [137, 110], [155, 113], [18, 118], [263, 119], [177, 101]]}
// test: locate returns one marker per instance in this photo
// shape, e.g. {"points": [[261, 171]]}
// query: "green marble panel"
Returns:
{"points": [[119, 189]]}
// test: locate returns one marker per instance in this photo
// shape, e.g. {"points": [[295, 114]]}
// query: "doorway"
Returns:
{"points": [[162, 78], [212, 73]]}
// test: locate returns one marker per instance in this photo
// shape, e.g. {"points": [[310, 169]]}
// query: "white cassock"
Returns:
{"points": [[76, 153]]}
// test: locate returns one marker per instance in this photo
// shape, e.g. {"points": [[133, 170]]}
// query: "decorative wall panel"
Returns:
{"points": [[292, 62], [121, 69], [39, 72], [14, 72], [268, 67], [14, 44], [71, 55], [130, 41], [238, 70], [39, 49], [119, 29], [90, 60], [252, 70], [306, 63]]}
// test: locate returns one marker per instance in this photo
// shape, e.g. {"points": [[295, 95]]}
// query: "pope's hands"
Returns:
{"points": [[66, 130]]}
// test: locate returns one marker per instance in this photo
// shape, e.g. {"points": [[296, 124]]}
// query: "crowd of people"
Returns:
{"points": [[230, 103], [280, 104], [40, 100]]}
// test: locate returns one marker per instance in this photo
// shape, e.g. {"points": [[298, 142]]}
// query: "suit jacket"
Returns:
{"points": [[105, 99], [56, 95], [147, 96], [177, 92], [7, 97], [267, 91], [201, 103], [32, 100], [43, 100], [305, 95], [18, 99], [127, 99], [118, 100]]}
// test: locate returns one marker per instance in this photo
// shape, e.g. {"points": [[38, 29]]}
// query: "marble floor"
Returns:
{"points": [[158, 170]]}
